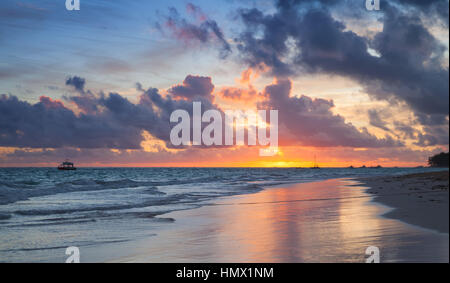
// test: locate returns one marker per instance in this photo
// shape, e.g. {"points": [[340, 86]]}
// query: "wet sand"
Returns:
{"points": [[419, 199], [327, 221]]}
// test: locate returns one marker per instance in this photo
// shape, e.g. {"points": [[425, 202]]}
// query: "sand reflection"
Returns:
{"points": [[329, 221]]}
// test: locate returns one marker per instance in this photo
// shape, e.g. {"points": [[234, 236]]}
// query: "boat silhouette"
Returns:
{"points": [[315, 166], [66, 165]]}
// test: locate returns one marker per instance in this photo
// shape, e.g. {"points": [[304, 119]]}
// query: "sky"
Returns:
{"points": [[98, 85]]}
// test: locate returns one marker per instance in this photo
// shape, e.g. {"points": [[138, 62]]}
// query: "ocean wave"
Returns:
{"points": [[144, 187], [10, 193], [53, 223], [177, 198], [80, 244], [4, 216]]}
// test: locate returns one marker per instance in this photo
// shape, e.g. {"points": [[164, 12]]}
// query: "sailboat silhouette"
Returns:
{"points": [[315, 166]]}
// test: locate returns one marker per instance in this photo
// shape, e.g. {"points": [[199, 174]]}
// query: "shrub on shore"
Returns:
{"points": [[439, 160]]}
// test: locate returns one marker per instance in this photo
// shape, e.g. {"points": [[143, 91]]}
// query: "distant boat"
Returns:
{"points": [[66, 165], [315, 166], [376, 167]]}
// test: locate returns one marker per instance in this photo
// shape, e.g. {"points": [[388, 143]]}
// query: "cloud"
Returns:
{"points": [[105, 120], [310, 122], [238, 94], [49, 124], [434, 8], [376, 121], [422, 3], [405, 130], [192, 87], [112, 121], [21, 11], [245, 92], [107, 65], [433, 135], [76, 82], [203, 31], [408, 67], [86, 102]]}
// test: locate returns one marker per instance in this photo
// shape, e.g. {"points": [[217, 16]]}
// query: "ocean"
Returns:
{"points": [[43, 210]]}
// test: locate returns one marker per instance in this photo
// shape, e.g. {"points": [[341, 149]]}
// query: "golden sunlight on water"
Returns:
{"points": [[328, 221]]}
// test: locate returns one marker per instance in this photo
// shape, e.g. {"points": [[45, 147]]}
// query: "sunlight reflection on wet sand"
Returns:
{"points": [[328, 221]]}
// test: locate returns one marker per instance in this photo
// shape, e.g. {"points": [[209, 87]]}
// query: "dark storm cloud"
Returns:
{"points": [[192, 87], [437, 8], [76, 82], [323, 45], [423, 3], [105, 121], [86, 101], [112, 121], [312, 123], [49, 123], [405, 130], [433, 135], [434, 8], [408, 67], [205, 31], [289, 4], [376, 121]]}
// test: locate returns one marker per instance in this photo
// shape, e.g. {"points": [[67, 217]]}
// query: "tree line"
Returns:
{"points": [[439, 160]]}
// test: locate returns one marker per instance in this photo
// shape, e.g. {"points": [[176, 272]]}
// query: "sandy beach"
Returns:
{"points": [[333, 220], [327, 221], [419, 199]]}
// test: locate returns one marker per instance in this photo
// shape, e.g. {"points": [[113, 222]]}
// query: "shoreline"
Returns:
{"points": [[420, 199], [330, 220], [333, 220]]}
